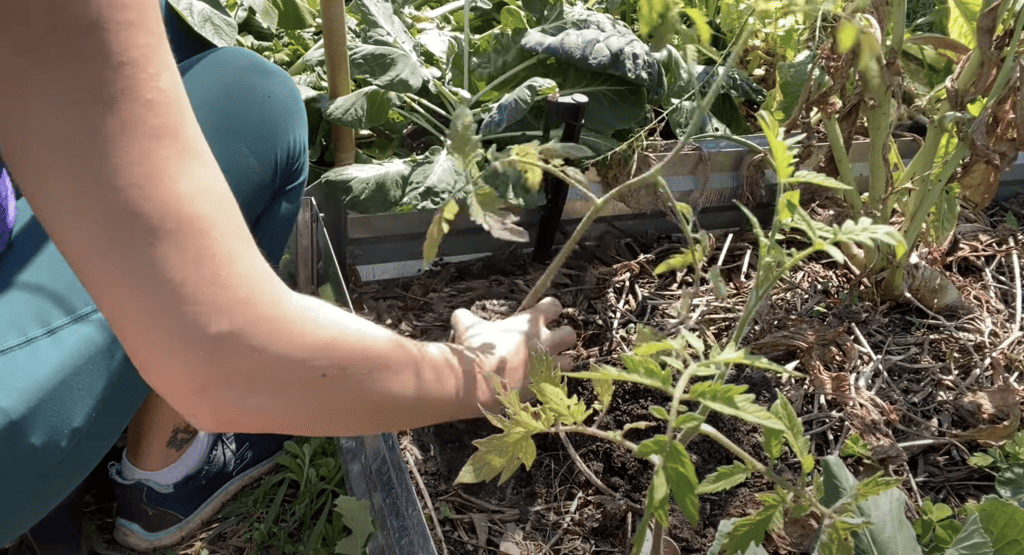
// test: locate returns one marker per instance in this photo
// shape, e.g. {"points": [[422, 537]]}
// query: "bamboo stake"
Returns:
{"points": [[339, 82]]}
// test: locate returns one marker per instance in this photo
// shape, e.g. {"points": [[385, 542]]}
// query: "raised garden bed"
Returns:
{"points": [[911, 408]]}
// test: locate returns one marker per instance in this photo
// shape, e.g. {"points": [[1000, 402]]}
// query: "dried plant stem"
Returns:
{"points": [[426, 499], [591, 477]]}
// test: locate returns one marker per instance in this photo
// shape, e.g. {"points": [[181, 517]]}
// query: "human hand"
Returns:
{"points": [[503, 347]]}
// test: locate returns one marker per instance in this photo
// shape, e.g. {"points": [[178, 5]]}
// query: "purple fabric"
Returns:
{"points": [[7, 208]]}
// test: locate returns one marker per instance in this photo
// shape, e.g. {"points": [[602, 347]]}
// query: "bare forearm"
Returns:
{"points": [[313, 369]]}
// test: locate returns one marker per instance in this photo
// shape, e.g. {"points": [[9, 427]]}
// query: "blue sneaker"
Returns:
{"points": [[152, 516]]}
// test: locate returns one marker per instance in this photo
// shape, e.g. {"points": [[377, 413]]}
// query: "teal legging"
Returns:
{"points": [[67, 389]]}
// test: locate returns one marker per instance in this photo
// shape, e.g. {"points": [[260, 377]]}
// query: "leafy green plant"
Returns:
{"points": [[302, 507], [692, 372], [936, 529]]}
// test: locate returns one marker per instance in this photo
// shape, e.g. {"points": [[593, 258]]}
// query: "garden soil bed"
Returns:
{"points": [[911, 384]]}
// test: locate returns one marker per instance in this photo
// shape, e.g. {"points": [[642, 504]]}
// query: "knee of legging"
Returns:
{"points": [[272, 100]]}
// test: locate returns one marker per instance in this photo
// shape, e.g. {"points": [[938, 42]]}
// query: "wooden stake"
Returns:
{"points": [[339, 82]]}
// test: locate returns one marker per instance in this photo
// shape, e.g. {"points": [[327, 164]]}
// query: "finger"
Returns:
{"points": [[462, 320], [546, 310], [560, 339], [564, 363]]}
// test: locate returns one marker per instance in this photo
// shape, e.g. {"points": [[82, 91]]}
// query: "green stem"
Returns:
{"points": [[581, 187], [446, 9], [878, 117], [898, 15], [592, 214], [421, 122], [594, 432], [465, 47], [934, 188], [423, 113], [427, 103], [835, 139], [502, 78], [516, 135]]}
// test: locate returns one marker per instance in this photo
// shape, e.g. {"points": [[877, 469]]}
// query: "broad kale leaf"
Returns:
{"points": [[614, 103], [387, 55], [516, 104], [423, 184], [598, 42]]}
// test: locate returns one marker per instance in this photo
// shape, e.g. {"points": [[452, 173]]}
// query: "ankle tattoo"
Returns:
{"points": [[181, 436]]}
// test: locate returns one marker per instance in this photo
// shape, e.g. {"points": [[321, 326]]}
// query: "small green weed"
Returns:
{"points": [[302, 507]]}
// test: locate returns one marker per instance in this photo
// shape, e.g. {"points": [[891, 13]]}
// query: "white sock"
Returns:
{"points": [[189, 462]]}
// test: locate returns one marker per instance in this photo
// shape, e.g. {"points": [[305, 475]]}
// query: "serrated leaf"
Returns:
{"points": [[731, 400], [700, 24], [682, 480], [971, 540], [771, 441], [355, 514], [794, 432], [726, 477], [836, 538], [782, 154], [439, 226], [1003, 523], [889, 531], [647, 368], [603, 389], [652, 348], [819, 179], [854, 446], [658, 412], [515, 104], [873, 485], [487, 210], [549, 387], [362, 109], [498, 455], [653, 446], [686, 421], [740, 534]]}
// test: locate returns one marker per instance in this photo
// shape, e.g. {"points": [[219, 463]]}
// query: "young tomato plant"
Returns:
{"points": [[692, 372]]}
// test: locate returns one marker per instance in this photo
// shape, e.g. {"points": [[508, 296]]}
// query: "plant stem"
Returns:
{"points": [[426, 103], [446, 9], [516, 135], [423, 113], [581, 187], [421, 122], [500, 79], [835, 139], [594, 432], [592, 214], [935, 187], [465, 46]]}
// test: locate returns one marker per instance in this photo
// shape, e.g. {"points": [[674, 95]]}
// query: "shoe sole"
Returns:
{"points": [[132, 537]]}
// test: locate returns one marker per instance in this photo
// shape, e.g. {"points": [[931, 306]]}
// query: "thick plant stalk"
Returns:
{"points": [[339, 82], [835, 139]]}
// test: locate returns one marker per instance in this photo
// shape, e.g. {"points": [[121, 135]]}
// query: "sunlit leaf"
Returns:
{"points": [[730, 399], [726, 477], [682, 480], [439, 226]]}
